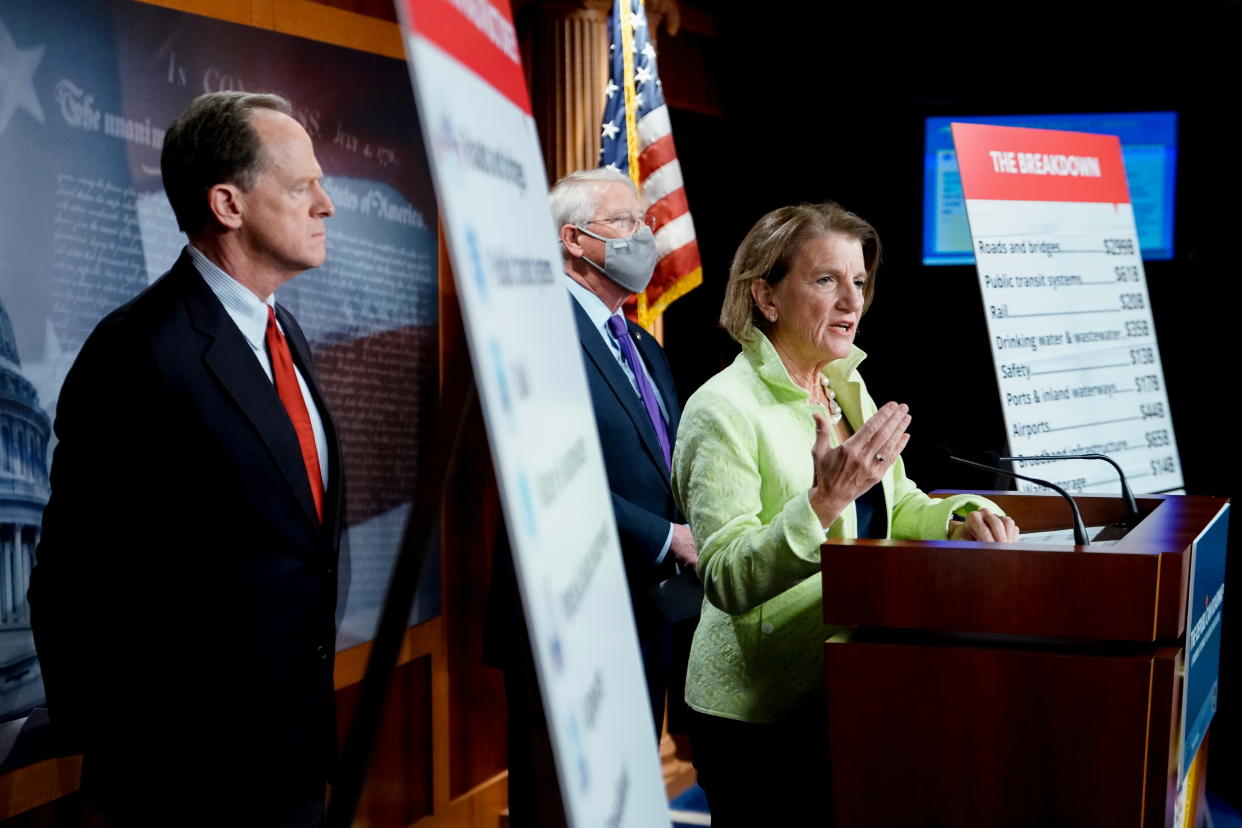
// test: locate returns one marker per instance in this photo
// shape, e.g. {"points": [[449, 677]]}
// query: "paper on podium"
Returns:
{"points": [[1065, 537]]}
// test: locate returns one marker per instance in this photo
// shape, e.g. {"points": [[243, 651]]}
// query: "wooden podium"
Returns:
{"points": [[1011, 684]]}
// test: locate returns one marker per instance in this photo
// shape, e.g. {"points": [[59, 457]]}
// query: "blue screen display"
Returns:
{"points": [[1148, 146]]}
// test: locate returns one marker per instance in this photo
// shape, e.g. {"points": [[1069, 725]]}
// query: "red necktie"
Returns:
{"points": [[291, 396]]}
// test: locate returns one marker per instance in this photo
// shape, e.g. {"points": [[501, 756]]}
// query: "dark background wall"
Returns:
{"points": [[809, 103]]}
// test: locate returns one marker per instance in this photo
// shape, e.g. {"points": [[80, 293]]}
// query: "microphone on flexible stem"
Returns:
{"points": [[1080, 531], [1127, 497]]}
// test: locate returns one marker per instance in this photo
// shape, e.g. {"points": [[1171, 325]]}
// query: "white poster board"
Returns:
{"points": [[1068, 314], [489, 177]]}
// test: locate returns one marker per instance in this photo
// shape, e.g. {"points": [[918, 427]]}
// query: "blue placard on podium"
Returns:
{"points": [[1203, 620]]}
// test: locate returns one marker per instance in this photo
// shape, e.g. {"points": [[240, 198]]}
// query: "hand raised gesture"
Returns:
{"points": [[843, 473]]}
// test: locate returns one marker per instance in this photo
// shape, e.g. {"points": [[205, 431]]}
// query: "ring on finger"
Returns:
{"points": [[879, 458]]}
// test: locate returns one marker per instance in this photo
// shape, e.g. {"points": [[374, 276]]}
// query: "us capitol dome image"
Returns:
{"points": [[24, 433]]}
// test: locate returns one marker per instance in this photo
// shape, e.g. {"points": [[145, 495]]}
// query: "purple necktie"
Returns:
{"points": [[616, 324]]}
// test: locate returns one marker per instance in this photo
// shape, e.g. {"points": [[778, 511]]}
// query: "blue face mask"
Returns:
{"points": [[629, 261]]}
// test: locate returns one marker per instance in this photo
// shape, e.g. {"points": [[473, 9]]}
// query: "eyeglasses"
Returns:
{"points": [[626, 224]]}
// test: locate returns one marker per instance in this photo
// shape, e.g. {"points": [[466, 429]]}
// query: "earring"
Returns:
{"points": [[771, 317]]}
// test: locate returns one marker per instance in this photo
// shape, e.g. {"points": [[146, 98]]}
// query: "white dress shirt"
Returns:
{"points": [[249, 313]]}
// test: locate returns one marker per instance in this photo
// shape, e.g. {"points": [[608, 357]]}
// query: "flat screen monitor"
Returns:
{"points": [[1148, 145]]}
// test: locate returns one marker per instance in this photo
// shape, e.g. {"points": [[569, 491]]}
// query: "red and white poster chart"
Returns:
{"points": [[1065, 295], [489, 177]]}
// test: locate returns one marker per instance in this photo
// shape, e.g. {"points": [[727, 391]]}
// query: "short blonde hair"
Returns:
{"points": [[771, 245]]}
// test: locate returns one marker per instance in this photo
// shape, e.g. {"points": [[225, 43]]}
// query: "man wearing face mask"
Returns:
{"points": [[609, 254]]}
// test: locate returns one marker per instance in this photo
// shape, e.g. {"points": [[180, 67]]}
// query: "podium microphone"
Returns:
{"points": [[1127, 497], [1080, 531]]}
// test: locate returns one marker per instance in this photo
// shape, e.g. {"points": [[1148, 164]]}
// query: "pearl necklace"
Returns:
{"points": [[834, 410]]}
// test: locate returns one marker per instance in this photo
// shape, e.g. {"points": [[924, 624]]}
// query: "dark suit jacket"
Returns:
{"points": [[642, 495], [642, 500], [184, 594]]}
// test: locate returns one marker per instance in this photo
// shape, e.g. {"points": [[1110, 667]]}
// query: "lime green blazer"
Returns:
{"points": [[742, 471]]}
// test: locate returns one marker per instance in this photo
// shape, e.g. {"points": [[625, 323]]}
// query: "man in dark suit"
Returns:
{"points": [[609, 254], [184, 594]]}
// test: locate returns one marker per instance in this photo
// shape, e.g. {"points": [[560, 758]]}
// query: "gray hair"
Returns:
{"points": [[213, 142], [575, 197]]}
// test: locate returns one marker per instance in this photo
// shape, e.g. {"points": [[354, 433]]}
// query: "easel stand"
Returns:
{"points": [[419, 540]]}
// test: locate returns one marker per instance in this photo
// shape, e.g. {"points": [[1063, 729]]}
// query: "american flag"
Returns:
{"points": [[637, 139]]}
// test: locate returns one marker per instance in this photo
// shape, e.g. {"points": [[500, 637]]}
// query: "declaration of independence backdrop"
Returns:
{"points": [[85, 94]]}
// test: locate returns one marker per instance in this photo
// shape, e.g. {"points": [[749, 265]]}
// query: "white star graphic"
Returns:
{"points": [[638, 20], [610, 89], [17, 68], [649, 50], [612, 167], [642, 74], [638, 100], [611, 130]]}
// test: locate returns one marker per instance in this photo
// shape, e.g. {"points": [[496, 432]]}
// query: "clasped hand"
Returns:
{"points": [[983, 526], [843, 473]]}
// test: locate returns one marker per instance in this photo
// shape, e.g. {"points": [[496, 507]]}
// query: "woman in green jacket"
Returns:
{"points": [[779, 451]]}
